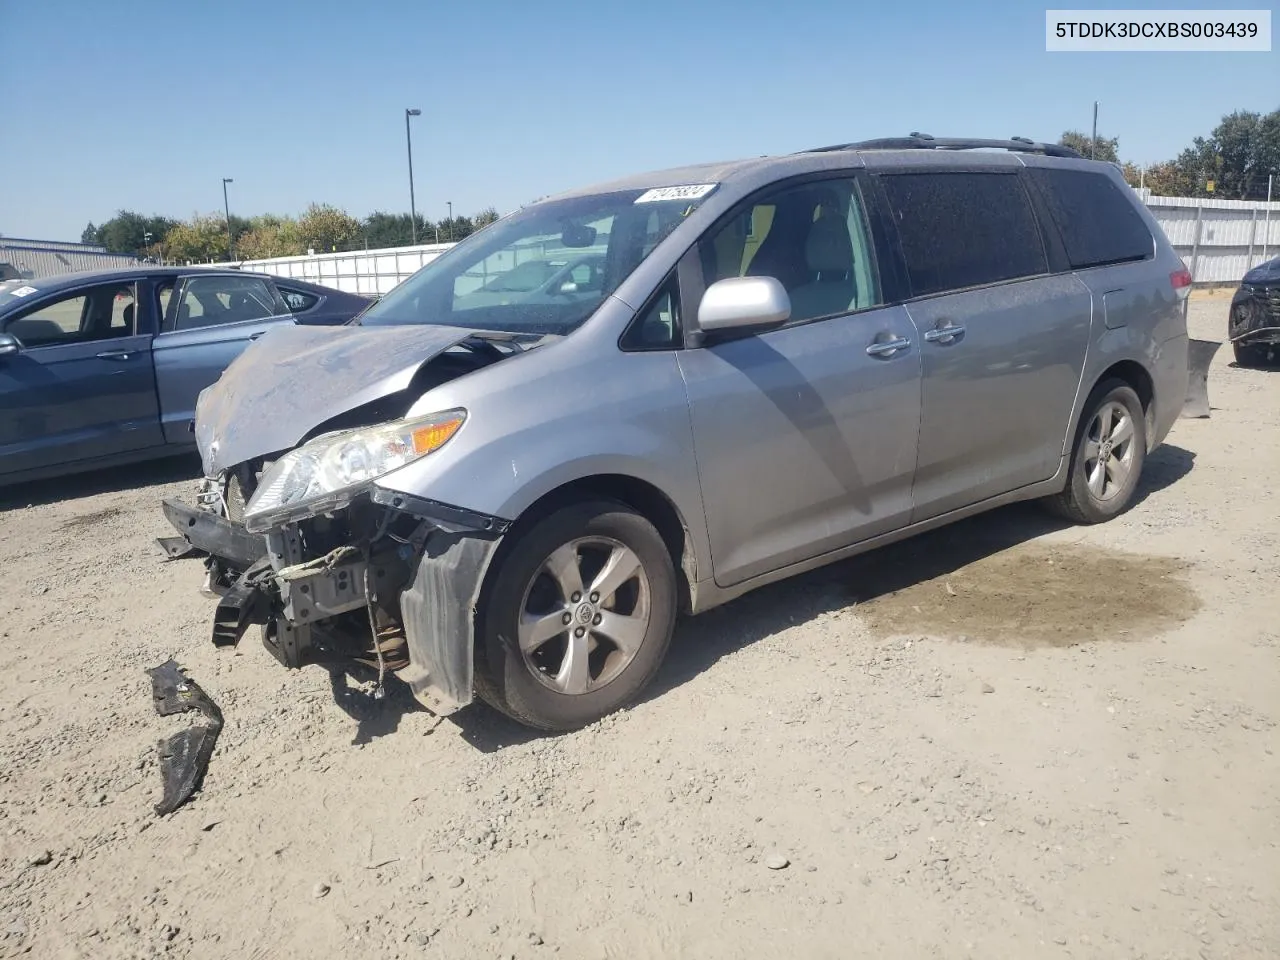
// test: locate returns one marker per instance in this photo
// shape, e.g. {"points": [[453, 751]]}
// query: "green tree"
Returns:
{"points": [[201, 239], [1168, 179], [485, 217], [1081, 143], [325, 228], [269, 235], [1237, 156], [127, 231], [394, 229], [456, 229]]}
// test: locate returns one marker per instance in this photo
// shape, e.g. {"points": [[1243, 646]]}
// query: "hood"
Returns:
{"points": [[294, 379], [1268, 272]]}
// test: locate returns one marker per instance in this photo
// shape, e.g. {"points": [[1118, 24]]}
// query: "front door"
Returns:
{"points": [[1003, 339], [805, 435], [208, 322], [82, 387]]}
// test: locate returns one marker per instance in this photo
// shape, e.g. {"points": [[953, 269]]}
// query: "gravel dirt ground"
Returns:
{"points": [[1009, 738]]}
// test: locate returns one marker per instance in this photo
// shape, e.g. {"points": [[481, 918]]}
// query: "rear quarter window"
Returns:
{"points": [[296, 300], [1097, 222], [962, 230]]}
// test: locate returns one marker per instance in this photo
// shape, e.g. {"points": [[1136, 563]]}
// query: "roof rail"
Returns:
{"points": [[923, 141]]}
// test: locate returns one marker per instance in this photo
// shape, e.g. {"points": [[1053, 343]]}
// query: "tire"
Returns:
{"points": [[1251, 354], [1080, 501], [566, 681]]}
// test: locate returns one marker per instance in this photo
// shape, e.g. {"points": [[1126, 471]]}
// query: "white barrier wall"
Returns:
{"points": [[371, 272], [1219, 240]]}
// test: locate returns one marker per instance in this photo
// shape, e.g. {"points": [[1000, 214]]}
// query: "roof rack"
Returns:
{"points": [[923, 141]]}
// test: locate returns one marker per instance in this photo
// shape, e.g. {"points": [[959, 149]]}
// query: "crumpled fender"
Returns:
{"points": [[438, 610]]}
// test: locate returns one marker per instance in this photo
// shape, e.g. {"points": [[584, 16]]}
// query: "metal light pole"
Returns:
{"points": [[226, 206], [146, 238], [450, 203], [1093, 144], [408, 141]]}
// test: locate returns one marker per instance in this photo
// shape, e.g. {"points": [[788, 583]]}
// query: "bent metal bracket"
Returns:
{"points": [[184, 757]]}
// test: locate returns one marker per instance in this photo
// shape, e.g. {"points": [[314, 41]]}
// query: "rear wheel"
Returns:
{"points": [[578, 618], [1107, 459]]}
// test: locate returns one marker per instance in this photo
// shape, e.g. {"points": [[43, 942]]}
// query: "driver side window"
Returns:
{"points": [[100, 313], [812, 237]]}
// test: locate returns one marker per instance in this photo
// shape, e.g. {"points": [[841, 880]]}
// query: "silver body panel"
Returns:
{"points": [[997, 396], [804, 442]]}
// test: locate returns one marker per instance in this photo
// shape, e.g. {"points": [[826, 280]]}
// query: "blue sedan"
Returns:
{"points": [[103, 368]]}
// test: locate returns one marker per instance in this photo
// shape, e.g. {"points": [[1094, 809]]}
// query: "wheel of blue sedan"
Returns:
{"points": [[578, 617]]}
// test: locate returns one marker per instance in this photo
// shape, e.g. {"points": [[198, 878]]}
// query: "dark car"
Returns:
{"points": [[311, 303], [104, 367], [1253, 325]]}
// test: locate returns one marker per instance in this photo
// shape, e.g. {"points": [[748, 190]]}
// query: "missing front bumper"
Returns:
{"points": [[209, 533], [405, 602]]}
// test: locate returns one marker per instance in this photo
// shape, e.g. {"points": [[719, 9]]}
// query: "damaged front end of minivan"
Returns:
{"points": [[297, 535]]}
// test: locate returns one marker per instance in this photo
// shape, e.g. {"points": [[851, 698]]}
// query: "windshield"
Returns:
{"points": [[542, 270], [13, 292]]}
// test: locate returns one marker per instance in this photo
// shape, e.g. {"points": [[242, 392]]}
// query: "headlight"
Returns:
{"points": [[328, 472]]}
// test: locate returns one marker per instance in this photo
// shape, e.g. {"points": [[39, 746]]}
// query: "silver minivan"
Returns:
{"points": [[752, 369]]}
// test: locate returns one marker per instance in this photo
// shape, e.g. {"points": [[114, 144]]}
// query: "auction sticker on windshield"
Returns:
{"points": [[22, 292], [691, 191]]}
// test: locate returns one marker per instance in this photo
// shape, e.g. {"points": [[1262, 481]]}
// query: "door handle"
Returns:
{"points": [[888, 348], [255, 336], [115, 355], [945, 334]]}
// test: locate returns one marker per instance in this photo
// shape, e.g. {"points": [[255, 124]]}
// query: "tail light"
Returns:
{"points": [[1181, 282]]}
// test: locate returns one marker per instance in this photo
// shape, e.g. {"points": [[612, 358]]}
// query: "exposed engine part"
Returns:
{"points": [[391, 646], [244, 603], [184, 757], [371, 604]]}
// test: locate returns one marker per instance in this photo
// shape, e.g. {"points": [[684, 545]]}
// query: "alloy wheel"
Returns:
{"points": [[584, 615], [1109, 451]]}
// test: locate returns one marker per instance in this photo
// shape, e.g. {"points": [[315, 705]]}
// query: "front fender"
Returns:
{"points": [[527, 439]]}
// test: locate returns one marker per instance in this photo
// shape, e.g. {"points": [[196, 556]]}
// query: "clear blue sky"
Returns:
{"points": [[147, 104]]}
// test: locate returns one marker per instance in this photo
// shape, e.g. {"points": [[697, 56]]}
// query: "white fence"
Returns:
{"points": [[1219, 240], [371, 272]]}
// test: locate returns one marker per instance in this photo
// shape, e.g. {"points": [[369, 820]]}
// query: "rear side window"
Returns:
{"points": [[296, 299], [213, 301], [1097, 221], [962, 230]]}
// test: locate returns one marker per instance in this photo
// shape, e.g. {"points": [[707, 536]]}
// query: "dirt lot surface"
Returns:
{"points": [[1010, 738]]}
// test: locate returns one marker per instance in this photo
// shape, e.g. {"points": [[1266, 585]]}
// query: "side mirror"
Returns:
{"points": [[742, 303], [9, 345]]}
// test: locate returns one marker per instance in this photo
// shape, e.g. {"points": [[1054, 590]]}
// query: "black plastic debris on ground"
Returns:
{"points": [[184, 757]]}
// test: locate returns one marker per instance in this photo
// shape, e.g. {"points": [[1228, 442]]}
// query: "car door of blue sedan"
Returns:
{"points": [[208, 323], [82, 387]]}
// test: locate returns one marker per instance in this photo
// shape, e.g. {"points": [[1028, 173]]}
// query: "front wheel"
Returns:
{"points": [[1107, 459], [1251, 354], [578, 618]]}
